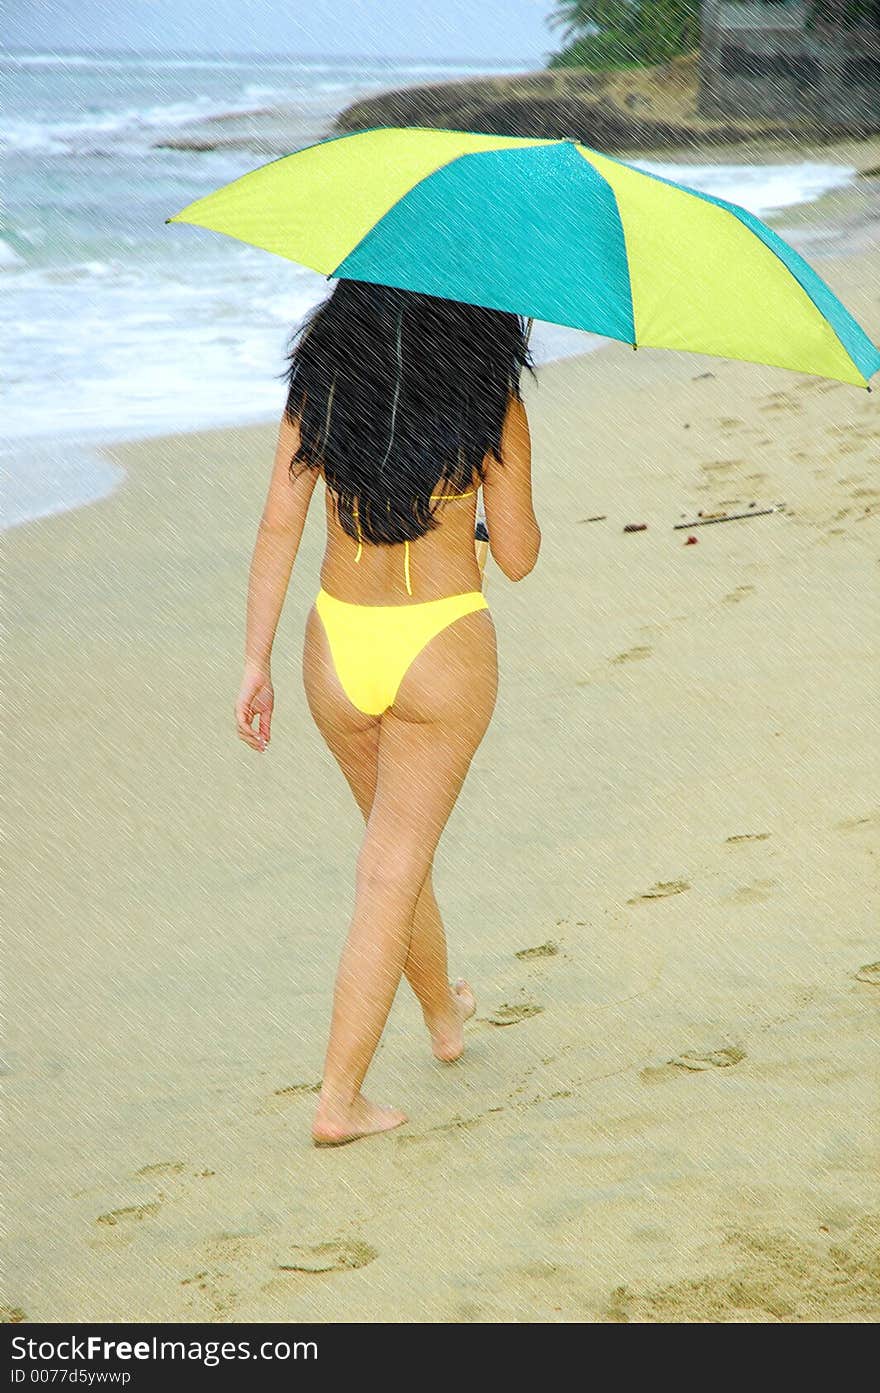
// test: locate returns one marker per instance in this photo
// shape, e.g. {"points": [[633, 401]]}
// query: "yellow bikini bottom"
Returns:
{"points": [[373, 645]]}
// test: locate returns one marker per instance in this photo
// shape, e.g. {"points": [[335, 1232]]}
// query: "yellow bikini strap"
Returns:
{"points": [[454, 495], [357, 524], [360, 548], [406, 566]]}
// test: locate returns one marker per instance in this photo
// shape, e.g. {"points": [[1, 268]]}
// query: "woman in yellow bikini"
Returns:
{"points": [[405, 405]]}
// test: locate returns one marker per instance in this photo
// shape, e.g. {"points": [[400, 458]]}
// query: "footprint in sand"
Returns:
{"points": [[119, 1225], [779, 401], [213, 1285], [508, 1014], [756, 893], [851, 824], [227, 1264], [709, 1059], [230, 1247], [660, 889], [694, 1060], [11, 1315], [748, 837], [166, 1170], [282, 1096], [721, 466], [343, 1256], [740, 593], [870, 973], [402, 1140], [213, 1289], [216, 1291], [632, 655], [131, 1214], [543, 950]]}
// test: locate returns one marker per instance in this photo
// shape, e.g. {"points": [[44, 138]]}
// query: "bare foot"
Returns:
{"points": [[336, 1127], [447, 1032]]}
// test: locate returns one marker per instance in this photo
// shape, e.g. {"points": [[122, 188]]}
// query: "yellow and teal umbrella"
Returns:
{"points": [[548, 229]]}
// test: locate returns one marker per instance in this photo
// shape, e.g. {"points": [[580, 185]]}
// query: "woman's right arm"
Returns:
{"points": [[514, 534]]}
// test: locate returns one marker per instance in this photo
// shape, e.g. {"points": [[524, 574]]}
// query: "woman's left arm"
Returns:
{"points": [[278, 537]]}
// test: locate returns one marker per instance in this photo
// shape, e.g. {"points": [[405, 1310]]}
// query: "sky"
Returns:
{"points": [[473, 30]]}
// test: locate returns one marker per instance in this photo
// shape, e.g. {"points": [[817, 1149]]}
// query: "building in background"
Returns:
{"points": [[792, 58]]}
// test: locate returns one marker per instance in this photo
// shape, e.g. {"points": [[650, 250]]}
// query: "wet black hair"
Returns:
{"points": [[400, 395]]}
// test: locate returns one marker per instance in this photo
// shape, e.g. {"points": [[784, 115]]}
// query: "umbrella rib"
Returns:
{"points": [[734, 210], [580, 148], [461, 155]]}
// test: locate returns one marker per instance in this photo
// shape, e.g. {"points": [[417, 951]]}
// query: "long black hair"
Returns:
{"points": [[400, 395]]}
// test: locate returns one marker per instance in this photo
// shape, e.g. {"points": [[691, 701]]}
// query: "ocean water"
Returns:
{"points": [[116, 326]]}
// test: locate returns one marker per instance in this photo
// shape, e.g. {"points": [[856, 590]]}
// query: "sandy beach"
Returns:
{"points": [[661, 878]]}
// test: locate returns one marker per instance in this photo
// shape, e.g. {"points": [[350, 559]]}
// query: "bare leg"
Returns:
{"points": [[390, 879], [369, 973], [445, 1009]]}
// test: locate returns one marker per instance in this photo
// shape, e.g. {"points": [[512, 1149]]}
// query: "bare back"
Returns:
{"points": [[444, 561]]}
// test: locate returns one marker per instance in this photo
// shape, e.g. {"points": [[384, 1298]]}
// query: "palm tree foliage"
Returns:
{"points": [[624, 33]]}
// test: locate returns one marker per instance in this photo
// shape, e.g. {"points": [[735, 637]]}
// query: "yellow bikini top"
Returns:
{"points": [[360, 546]]}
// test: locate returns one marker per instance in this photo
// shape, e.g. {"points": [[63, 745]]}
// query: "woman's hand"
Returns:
{"points": [[256, 698]]}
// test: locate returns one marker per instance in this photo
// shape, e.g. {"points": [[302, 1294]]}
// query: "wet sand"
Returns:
{"points": [[660, 879]]}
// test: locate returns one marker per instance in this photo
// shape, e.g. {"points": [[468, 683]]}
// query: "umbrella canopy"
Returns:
{"points": [[548, 229]]}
